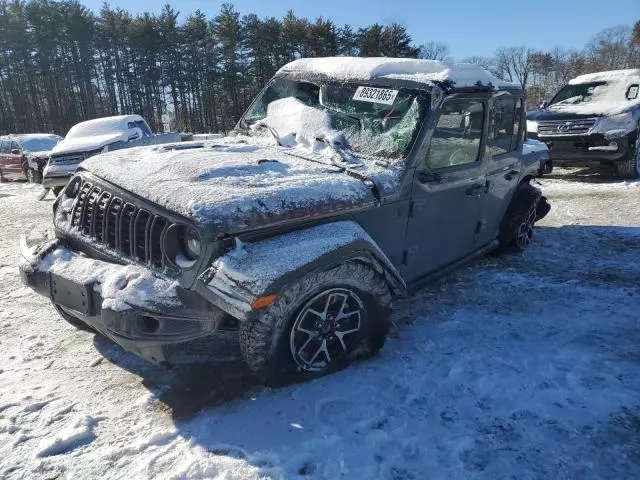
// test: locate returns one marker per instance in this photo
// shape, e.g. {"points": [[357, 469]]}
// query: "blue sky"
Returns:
{"points": [[468, 27]]}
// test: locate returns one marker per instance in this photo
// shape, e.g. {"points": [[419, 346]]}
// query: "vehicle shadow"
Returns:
{"points": [[585, 175], [220, 407], [187, 388]]}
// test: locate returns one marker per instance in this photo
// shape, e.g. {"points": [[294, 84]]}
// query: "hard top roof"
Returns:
{"points": [[460, 75]]}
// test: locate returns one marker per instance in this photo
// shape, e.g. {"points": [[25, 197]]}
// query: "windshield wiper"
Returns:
{"points": [[344, 152], [271, 130], [349, 159]]}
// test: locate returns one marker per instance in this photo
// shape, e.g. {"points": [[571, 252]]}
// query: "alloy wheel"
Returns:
{"points": [[325, 329], [525, 230]]}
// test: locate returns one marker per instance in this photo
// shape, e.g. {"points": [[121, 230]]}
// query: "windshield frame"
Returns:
{"points": [[422, 92]]}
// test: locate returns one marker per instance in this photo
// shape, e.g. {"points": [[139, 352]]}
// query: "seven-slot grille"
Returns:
{"points": [[549, 128], [110, 220]]}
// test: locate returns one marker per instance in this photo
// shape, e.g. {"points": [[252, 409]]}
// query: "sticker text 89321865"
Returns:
{"points": [[375, 95]]}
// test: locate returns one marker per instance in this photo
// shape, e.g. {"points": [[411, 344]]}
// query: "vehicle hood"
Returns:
{"points": [[85, 144], [234, 187], [586, 110]]}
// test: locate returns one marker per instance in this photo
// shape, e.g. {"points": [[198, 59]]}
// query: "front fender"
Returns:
{"points": [[265, 267]]}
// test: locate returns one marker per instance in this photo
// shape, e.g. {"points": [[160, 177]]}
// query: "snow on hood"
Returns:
{"points": [[608, 99], [232, 185], [84, 144], [418, 70]]}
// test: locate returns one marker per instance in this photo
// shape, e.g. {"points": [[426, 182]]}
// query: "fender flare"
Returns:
{"points": [[266, 267]]}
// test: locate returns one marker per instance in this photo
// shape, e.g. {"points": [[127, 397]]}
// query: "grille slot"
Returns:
{"points": [[131, 231], [557, 128], [68, 159]]}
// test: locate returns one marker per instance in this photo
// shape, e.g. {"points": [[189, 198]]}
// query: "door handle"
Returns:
{"points": [[511, 175], [475, 190]]}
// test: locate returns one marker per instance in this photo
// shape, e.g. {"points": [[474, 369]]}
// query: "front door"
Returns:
{"points": [[448, 189], [13, 163], [504, 163]]}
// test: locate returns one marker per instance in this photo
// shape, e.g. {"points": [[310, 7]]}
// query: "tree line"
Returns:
{"points": [[62, 63]]}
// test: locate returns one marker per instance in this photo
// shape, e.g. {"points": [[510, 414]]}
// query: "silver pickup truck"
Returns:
{"points": [[93, 137]]}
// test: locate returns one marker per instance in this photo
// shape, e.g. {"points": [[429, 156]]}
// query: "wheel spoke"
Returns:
{"points": [[300, 328], [305, 344], [347, 315], [321, 348], [341, 336]]}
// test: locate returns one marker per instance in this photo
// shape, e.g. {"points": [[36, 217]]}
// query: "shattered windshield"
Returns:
{"points": [[581, 93], [370, 121]]}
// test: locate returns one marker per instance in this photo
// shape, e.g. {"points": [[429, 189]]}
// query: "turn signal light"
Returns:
{"points": [[263, 302]]}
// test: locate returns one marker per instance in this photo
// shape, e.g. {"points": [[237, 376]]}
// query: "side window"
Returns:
{"points": [[458, 134], [146, 131], [4, 146], [517, 134], [632, 92], [14, 146], [504, 125]]}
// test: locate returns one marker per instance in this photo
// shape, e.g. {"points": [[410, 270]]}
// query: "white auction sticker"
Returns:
{"points": [[375, 95]]}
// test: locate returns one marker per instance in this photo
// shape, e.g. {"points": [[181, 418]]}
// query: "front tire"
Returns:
{"points": [[516, 230], [318, 325], [33, 176], [630, 168]]}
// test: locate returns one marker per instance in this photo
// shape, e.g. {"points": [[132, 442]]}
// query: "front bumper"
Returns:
{"points": [[167, 329], [585, 150], [57, 175]]}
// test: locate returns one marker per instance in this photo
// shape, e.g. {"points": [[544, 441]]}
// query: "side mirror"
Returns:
{"points": [[543, 104], [15, 151]]}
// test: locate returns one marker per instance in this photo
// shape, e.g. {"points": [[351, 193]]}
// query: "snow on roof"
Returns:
{"points": [[423, 71], [101, 126], [612, 75]]}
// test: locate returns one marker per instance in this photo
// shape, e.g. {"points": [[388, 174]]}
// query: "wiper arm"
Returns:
{"points": [[342, 150], [271, 130], [348, 158]]}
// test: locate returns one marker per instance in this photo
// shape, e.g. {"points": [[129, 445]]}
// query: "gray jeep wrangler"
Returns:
{"points": [[348, 182]]}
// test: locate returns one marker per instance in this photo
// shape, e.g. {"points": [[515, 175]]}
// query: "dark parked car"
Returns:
{"points": [[595, 119], [347, 183], [23, 157]]}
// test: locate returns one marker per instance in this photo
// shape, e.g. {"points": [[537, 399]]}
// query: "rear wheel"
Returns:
{"points": [[516, 231], [318, 325], [76, 322]]}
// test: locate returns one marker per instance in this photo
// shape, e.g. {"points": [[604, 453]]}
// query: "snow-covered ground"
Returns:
{"points": [[524, 366]]}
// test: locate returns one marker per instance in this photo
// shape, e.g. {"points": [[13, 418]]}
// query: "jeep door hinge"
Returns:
{"points": [[415, 206], [408, 252]]}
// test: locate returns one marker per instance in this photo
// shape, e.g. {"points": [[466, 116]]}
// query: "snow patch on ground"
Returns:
{"points": [[522, 366], [69, 438]]}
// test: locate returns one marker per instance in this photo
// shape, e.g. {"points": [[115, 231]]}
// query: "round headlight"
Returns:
{"points": [[73, 187], [191, 244]]}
